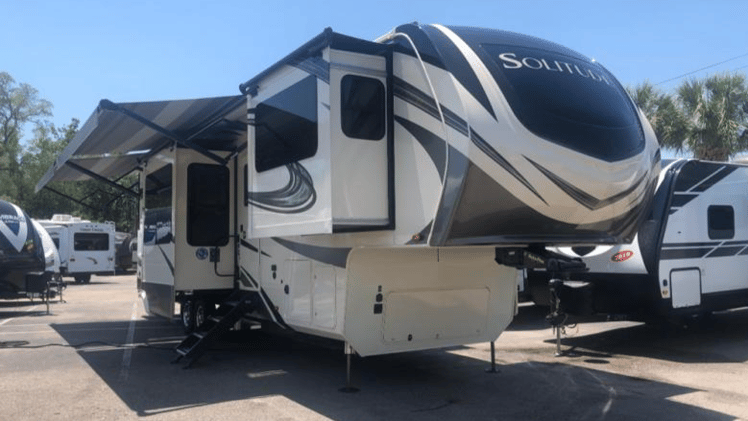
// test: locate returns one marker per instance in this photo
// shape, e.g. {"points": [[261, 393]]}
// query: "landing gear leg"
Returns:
{"points": [[557, 318], [348, 388], [493, 369]]}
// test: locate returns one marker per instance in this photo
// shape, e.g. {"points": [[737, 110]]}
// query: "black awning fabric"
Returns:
{"points": [[112, 143]]}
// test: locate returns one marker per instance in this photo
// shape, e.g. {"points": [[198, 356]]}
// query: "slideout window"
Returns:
{"points": [[84, 241], [362, 107], [208, 207], [286, 126], [721, 221]]}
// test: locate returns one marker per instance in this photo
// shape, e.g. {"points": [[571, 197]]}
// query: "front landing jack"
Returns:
{"points": [[348, 387], [493, 369], [557, 318]]}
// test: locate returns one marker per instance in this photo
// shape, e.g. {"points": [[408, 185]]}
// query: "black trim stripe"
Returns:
{"points": [[419, 99], [274, 312], [584, 198], [674, 254], [458, 66], [248, 245], [681, 199], [725, 251], [702, 244], [335, 256], [494, 155], [168, 262], [315, 66], [674, 251], [714, 179], [735, 243], [431, 143], [427, 104]]}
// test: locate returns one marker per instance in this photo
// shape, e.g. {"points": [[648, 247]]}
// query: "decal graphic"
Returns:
{"points": [[7, 222], [622, 256], [297, 196]]}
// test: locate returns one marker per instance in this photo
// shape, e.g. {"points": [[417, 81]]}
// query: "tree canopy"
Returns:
{"points": [[707, 116], [22, 164]]}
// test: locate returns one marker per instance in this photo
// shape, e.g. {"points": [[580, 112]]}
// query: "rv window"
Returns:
{"points": [[362, 107], [721, 221], [286, 126], [158, 188], [85, 241], [208, 205]]}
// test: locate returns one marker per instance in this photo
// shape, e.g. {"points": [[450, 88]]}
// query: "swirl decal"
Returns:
{"points": [[16, 239], [297, 196]]}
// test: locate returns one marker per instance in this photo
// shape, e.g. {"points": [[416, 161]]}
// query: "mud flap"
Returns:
{"points": [[404, 299]]}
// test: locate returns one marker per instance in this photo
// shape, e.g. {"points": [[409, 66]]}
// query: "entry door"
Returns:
{"points": [[360, 141], [685, 286]]}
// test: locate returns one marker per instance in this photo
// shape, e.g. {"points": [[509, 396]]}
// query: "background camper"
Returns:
{"points": [[86, 248], [22, 255], [688, 259], [383, 194]]}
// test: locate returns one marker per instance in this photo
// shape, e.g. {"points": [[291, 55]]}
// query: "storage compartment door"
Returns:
{"points": [[359, 127], [685, 285]]}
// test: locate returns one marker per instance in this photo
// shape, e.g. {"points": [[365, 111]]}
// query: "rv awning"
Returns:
{"points": [[118, 137]]}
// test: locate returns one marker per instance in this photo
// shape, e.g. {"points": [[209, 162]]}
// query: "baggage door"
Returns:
{"points": [[360, 141], [685, 286]]}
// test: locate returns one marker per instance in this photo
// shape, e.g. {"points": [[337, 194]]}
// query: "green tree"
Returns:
{"points": [[19, 105], [663, 113], [716, 108], [706, 117]]}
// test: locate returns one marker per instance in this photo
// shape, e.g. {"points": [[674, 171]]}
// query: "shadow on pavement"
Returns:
{"points": [[419, 385], [719, 339]]}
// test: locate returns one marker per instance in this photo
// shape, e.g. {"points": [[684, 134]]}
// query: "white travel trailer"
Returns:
{"points": [[86, 248], [51, 254], [368, 192], [688, 258]]}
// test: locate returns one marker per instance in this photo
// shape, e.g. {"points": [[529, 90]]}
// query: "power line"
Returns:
{"points": [[704, 68]]}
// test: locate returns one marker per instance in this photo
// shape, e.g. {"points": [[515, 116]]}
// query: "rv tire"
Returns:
{"points": [[201, 314], [82, 279], [187, 315]]}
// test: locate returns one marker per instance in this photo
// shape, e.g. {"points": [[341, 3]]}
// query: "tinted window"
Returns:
{"points": [[567, 100], [721, 222], [208, 208], [158, 188], [286, 126], [362, 107], [88, 241]]}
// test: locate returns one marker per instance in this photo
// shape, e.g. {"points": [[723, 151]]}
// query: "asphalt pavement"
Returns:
{"points": [[96, 356]]}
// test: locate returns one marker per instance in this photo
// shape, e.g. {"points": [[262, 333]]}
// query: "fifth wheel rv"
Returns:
{"points": [[689, 256], [86, 248], [383, 193]]}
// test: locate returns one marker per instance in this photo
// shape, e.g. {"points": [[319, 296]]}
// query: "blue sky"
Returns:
{"points": [[78, 52]]}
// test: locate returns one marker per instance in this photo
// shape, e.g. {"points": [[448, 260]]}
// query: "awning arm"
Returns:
{"points": [[69, 197], [95, 176], [109, 105]]}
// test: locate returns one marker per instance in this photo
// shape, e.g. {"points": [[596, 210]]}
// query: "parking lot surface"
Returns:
{"points": [[97, 356]]}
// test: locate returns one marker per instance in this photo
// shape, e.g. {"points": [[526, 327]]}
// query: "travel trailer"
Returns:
{"points": [[22, 255], [86, 248], [687, 259], [383, 194]]}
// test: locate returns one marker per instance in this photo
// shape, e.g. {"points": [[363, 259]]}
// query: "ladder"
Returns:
{"points": [[218, 323]]}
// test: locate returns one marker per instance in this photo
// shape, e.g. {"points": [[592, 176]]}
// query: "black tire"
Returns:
{"points": [[187, 315], [201, 314], [82, 279]]}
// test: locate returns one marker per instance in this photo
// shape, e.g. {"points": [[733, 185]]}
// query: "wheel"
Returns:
{"points": [[187, 314], [201, 314], [82, 279]]}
